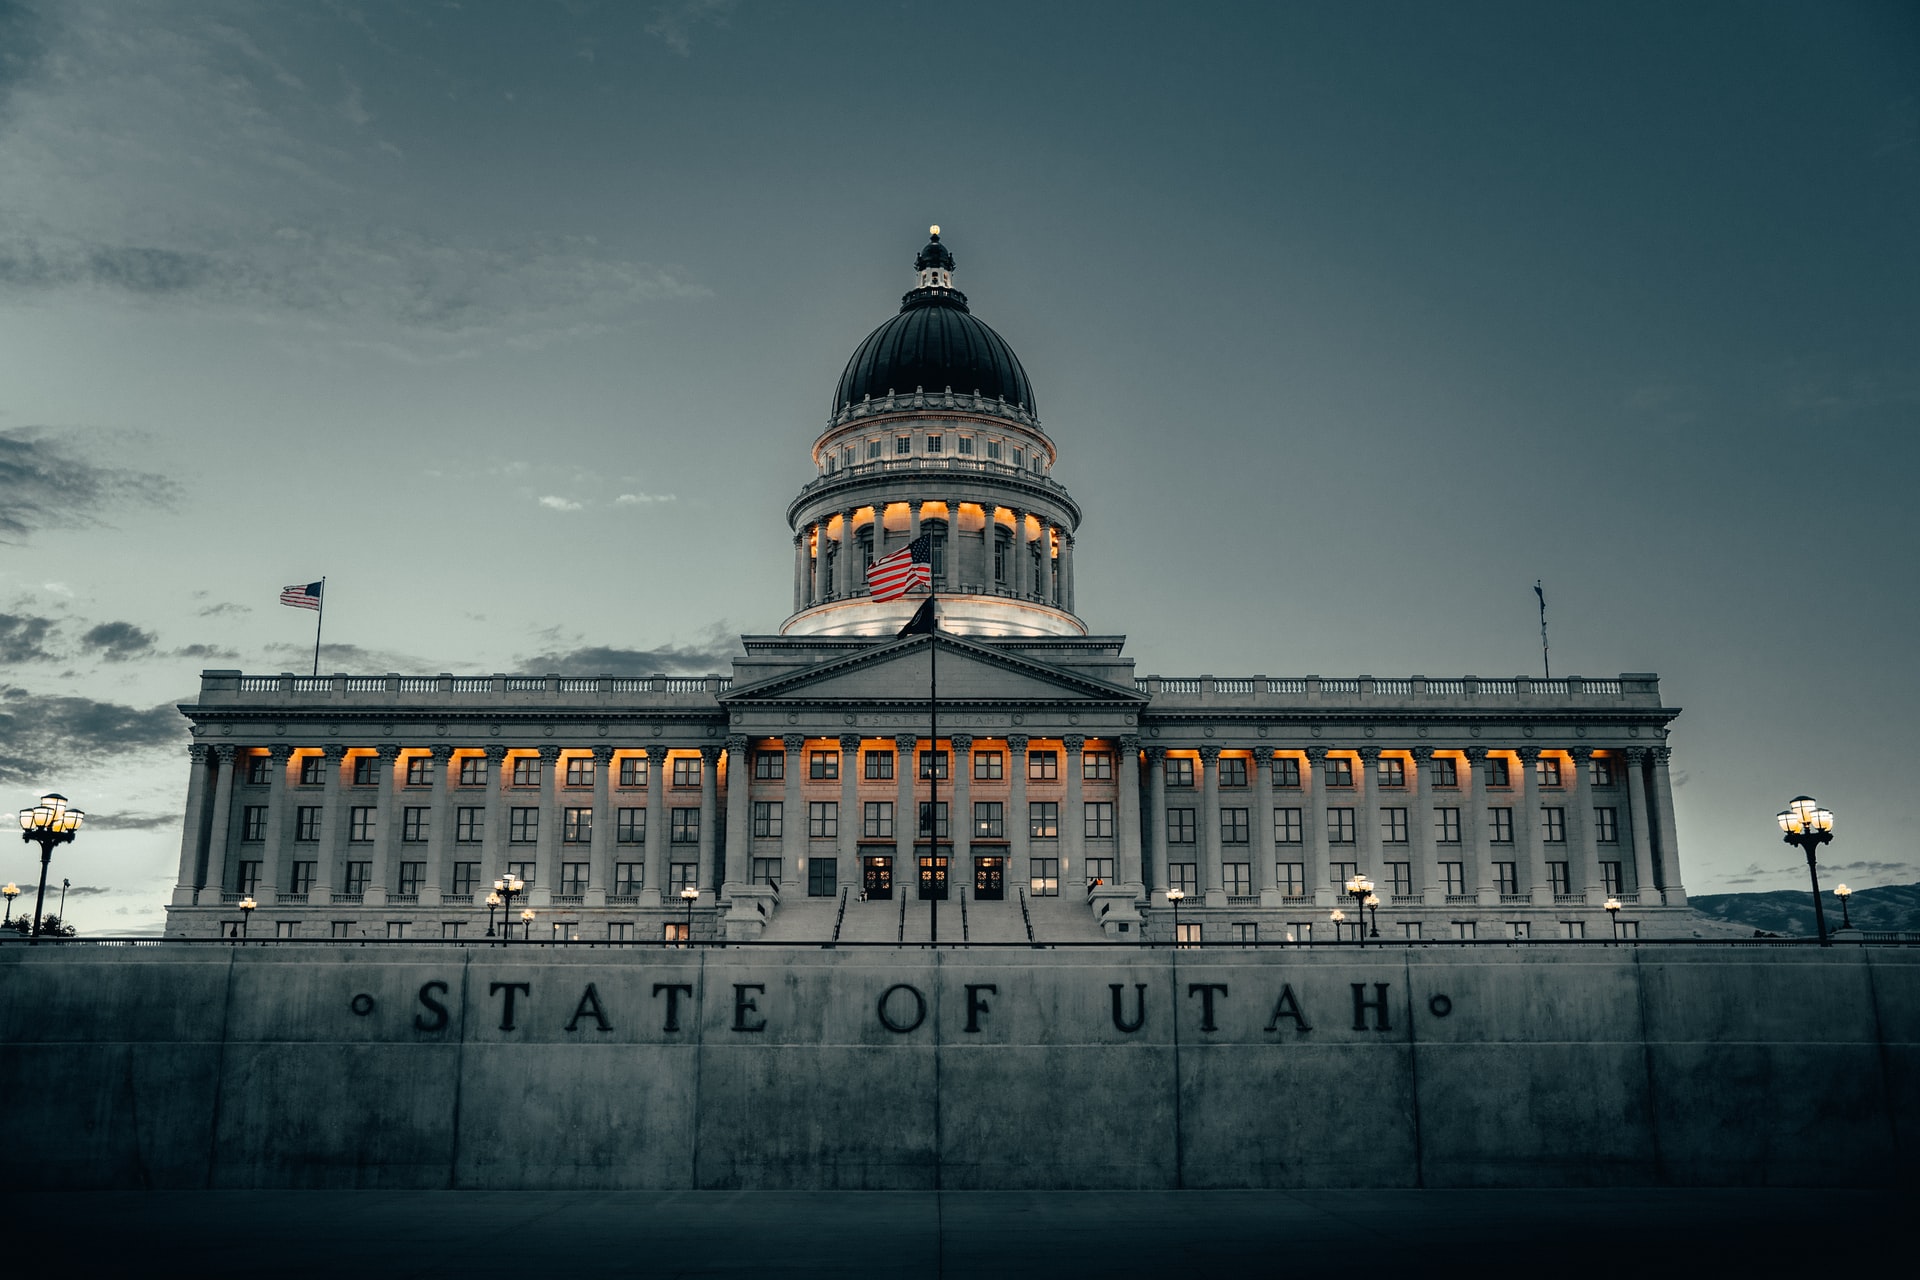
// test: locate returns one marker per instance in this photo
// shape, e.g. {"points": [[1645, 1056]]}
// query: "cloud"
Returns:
{"points": [[207, 652], [42, 735], [223, 610], [132, 821], [674, 23], [1871, 868], [642, 499], [23, 638], [346, 657], [47, 481], [553, 503], [117, 641], [715, 653]]}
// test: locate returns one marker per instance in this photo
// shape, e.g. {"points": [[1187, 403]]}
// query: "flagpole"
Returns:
{"points": [[933, 765], [320, 617], [1546, 668]]}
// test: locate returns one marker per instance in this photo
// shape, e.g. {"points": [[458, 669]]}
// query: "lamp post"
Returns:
{"points": [[11, 892], [505, 888], [1338, 917], [1176, 896], [1613, 916], [1373, 915], [689, 894], [526, 925], [1846, 917], [493, 905], [1360, 889], [247, 905], [1808, 826], [48, 823], [65, 884]]}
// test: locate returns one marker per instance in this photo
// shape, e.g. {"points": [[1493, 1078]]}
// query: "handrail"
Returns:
{"points": [[1877, 939]]}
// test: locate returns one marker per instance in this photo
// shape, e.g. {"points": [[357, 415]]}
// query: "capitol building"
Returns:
{"points": [[816, 794]]}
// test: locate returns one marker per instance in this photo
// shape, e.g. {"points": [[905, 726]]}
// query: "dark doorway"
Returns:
{"points": [[877, 877], [990, 879], [933, 876]]}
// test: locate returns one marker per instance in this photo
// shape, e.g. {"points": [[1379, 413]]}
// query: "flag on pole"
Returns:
{"points": [[891, 577], [302, 596], [923, 623]]}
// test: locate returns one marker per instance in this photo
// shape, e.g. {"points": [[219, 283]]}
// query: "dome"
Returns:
{"points": [[933, 344]]}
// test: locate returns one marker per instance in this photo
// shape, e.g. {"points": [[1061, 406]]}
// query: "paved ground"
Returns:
{"points": [[1004, 1235]]}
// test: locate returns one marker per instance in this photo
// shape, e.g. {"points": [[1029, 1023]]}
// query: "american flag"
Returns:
{"points": [[301, 596], [891, 577]]}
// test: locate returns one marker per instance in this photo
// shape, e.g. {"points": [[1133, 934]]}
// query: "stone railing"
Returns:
{"points": [[1637, 690], [399, 690]]}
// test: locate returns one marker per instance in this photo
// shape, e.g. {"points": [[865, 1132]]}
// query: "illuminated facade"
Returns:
{"points": [[792, 795]]}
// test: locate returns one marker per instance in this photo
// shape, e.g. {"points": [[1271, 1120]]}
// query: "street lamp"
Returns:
{"points": [[247, 905], [48, 823], [689, 894], [1359, 888], [1373, 915], [1613, 916], [526, 925], [1808, 826], [505, 888], [494, 902], [1846, 917], [1176, 896], [11, 892]]}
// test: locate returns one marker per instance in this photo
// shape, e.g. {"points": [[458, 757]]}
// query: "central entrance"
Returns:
{"points": [[989, 879], [933, 876], [876, 877]]}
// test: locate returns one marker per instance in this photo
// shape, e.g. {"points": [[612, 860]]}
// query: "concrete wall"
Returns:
{"points": [[175, 1066]]}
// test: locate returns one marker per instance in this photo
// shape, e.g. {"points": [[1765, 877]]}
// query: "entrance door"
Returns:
{"points": [[877, 877], [989, 879], [933, 876]]}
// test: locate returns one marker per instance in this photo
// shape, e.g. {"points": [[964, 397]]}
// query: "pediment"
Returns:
{"points": [[901, 671]]}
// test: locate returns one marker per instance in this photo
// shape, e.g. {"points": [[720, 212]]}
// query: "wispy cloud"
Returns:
{"points": [[643, 499], [554, 503], [47, 478], [714, 651], [117, 641], [24, 637], [42, 735]]}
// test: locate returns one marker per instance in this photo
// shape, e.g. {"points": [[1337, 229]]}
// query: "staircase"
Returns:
{"points": [[802, 919]]}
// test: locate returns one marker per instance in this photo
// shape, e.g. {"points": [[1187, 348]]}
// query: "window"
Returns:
{"points": [[522, 871], [449, 930], [633, 771], [873, 448], [306, 823], [1546, 771], [1400, 877], [935, 444], [1233, 826], [934, 764], [964, 443], [253, 822], [1341, 872], [396, 929], [1573, 929], [823, 877], [259, 769], [1179, 771], [1610, 878], [526, 771], [1099, 870], [573, 878], [1446, 825], [675, 933], [879, 765], [340, 929], [686, 771], [1393, 771], [1287, 826], [1553, 822], [419, 771], [903, 445], [1180, 826], [412, 876], [313, 771], [1233, 771], [766, 871], [877, 823], [1019, 458], [358, 873], [1500, 825], [1186, 935], [579, 771], [993, 450], [823, 764], [1519, 930], [1339, 826], [1099, 820], [988, 766], [413, 824], [1506, 877], [989, 820], [1046, 877], [1606, 826], [283, 928], [1291, 878], [1464, 930], [1600, 771], [681, 875], [303, 873], [1043, 819], [940, 819], [577, 826], [473, 771], [1237, 877], [360, 821], [686, 826], [249, 879], [1410, 930], [523, 825], [466, 876], [1096, 766], [1626, 929], [1497, 772], [1558, 875], [629, 878], [769, 764], [1339, 771], [1454, 876], [767, 819], [823, 819], [1183, 876], [630, 826], [1446, 771], [365, 771], [469, 825], [1393, 826]]}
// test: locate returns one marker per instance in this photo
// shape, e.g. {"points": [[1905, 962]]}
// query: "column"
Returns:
{"points": [[213, 873], [1421, 877], [739, 868], [913, 520], [1367, 845], [273, 860], [906, 816], [1066, 602], [328, 854], [1049, 566], [1157, 802], [198, 757], [793, 805], [439, 826], [380, 882], [1212, 883], [1313, 818], [600, 850], [546, 859], [1017, 575], [848, 572], [659, 837], [1583, 850], [1473, 803], [493, 824], [1019, 837], [800, 569], [1265, 853], [1126, 814], [709, 818], [1073, 823], [847, 848], [1668, 874], [1529, 847], [809, 564], [1636, 790], [960, 809]]}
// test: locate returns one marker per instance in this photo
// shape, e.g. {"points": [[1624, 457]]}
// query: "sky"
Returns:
{"points": [[516, 321]]}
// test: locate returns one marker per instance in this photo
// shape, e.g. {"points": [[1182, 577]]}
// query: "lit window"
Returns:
{"points": [[259, 769], [823, 764], [964, 444], [633, 771], [364, 768], [1286, 772], [1600, 771], [473, 771], [1546, 770], [988, 766], [934, 764], [577, 826], [419, 771], [526, 771], [1043, 820], [1233, 771], [989, 820], [879, 764], [579, 771], [1179, 771], [769, 764], [1497, 774], [313, 771], [1339, 771], [903, 445], [1446, 772], [1393, 771], [935, 444], [1096, 766], [686, 771], [1045, 877]]}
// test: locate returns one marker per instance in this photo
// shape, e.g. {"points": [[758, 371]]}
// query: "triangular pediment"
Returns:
{"points": [[902, 671]]}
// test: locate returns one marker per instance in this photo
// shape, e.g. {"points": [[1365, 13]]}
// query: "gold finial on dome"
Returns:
{"points": [[934, 231]]}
